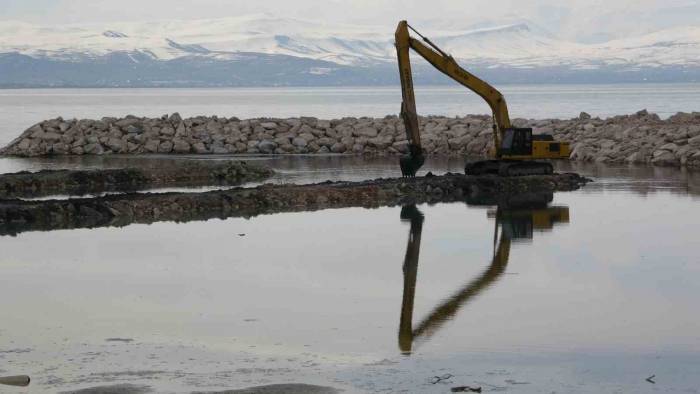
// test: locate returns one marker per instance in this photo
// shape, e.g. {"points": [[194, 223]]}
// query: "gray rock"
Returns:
{"points": [[152, 145], [134, 129], [671, 147], [181, 146], [665, 158], [165, 147], [267, 146], [695, 141], [269, 125], [116, 145], [175, 119], [94, 149], [369, 132], [300, 142], [51, 137], [219, 150], [338, 147], [199, 147]]}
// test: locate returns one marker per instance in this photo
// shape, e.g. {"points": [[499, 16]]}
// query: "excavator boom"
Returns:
{"points": [[513, 144]]}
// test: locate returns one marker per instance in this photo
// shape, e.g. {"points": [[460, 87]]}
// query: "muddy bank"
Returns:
{"points": [[639, 138], [81, 182], [119, 210]]}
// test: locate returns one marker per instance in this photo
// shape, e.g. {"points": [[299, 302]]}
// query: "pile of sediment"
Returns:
{"points": [[639, 138], [122, 209], [185, 173]]}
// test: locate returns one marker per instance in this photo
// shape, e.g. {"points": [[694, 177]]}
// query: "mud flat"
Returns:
{"points": [[81, 182], [640, 138], [18, 216]]}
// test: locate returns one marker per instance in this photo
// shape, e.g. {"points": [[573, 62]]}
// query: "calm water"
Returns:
{"points": [[593, 293], [20, 109]]}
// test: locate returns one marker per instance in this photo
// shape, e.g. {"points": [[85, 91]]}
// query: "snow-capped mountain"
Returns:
{"points": [[326, 48]]}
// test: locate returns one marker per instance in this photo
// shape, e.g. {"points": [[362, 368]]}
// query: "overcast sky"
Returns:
{"points": [[579, 20]]}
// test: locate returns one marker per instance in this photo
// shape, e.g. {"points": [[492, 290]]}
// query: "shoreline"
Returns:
{"points": [[640, 138], [117, 210]]}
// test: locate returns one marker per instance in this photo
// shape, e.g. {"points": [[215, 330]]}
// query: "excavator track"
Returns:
{"points": [[509, 167]]}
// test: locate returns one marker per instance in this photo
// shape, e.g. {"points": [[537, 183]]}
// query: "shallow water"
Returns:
{"points": [[21, 108], [599, 292]]}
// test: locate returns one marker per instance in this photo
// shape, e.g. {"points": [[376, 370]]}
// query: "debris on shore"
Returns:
{"points": [[640, 138], [18, 216], [185, 173]]}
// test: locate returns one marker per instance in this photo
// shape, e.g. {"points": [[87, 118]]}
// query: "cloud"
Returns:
{"points": [[580, 20]]}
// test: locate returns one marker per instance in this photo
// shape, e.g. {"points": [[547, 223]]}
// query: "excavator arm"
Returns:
{"points": [[448, 66]]}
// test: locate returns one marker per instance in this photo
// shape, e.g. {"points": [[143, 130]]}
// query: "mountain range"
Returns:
{"points": [[264, 50]]}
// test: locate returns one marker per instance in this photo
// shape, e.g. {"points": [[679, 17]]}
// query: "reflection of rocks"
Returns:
{"points": [[638, 138], [118, 210], [113, 389], [80, 182]]}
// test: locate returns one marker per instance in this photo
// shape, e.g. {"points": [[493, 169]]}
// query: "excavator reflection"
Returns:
{"points": [[517, 221]]}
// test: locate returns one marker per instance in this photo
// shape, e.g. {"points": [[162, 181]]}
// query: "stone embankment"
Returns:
{"points": [[122, 209], [184, 173], [639, 138]]}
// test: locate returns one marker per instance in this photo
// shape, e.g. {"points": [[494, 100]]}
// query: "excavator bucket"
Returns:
{"points": [[410, 165], [412, 162]]}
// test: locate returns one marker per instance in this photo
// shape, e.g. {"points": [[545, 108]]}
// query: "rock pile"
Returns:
{"points": [[639, 138]]}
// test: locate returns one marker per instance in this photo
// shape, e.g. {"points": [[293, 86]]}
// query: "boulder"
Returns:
{"points": [[266, 146], [181, 146], [338, 147], [665, 158], [151, 145], [94, 149], [165, 147], [300, 142], [199, 147], [116, 145]]}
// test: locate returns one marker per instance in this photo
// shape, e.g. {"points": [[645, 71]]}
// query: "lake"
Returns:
{"points": [[594, 291], [584, 292]]}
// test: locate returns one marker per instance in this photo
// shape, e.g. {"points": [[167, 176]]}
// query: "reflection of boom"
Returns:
{"points": [[515, 224]]}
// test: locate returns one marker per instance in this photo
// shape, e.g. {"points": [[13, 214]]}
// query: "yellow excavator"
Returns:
{"points": [[516, 150], [517, 221]]}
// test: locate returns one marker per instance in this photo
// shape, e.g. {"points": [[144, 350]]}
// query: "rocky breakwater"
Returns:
{"points": [[122, 209], [639, 138], [185, 173]]}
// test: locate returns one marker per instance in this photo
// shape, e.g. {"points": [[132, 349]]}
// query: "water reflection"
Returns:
{"points": [[517, 220]]}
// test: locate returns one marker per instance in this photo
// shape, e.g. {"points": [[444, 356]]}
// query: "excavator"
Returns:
{"points": [[516, 151], [517, 221]]}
